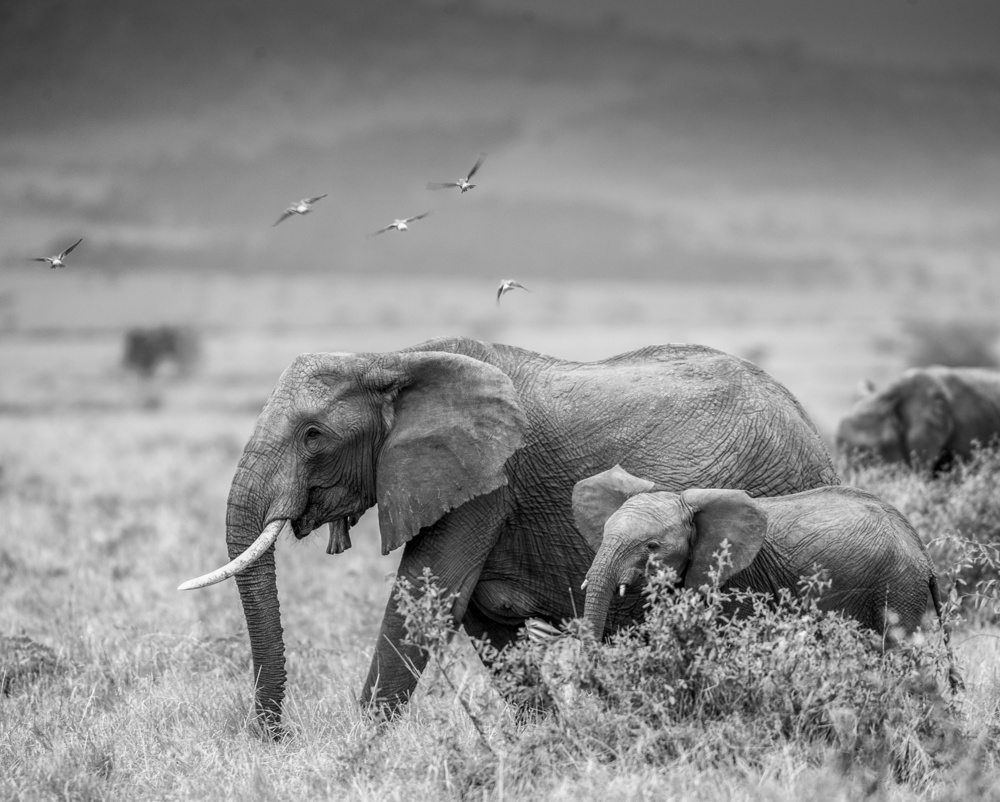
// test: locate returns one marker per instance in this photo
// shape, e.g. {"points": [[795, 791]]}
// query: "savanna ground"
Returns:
{"points": [[792, 210], [113, 491]]}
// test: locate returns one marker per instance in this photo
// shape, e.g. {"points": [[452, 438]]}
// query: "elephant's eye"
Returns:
{"points": [[311, 436], [652, 546]]}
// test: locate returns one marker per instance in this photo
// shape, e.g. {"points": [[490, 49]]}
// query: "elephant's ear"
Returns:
{"points": [[598, 497], [453, 422], [722, 515], [925, 412]]}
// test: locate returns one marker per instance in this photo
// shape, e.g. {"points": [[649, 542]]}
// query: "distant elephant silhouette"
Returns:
{"points": [[927, 418], [147, 348], [23, 660]]}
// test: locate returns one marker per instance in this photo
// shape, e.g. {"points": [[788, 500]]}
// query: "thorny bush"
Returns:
{"points": [[693, 683]]}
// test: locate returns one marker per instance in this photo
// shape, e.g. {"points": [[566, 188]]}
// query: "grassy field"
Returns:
{"points": [[113, 491], [790, 209]]}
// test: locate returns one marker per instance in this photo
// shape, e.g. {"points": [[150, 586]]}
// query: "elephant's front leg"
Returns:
{"points": [[455, 550]]}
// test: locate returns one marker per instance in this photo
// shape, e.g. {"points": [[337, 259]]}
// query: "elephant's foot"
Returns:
{"points": [[269, 722], [381, 707]]}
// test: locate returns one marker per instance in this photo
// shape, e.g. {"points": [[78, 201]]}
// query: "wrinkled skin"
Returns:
{"points": [[471, 452], [927, 418], [880, 572]]}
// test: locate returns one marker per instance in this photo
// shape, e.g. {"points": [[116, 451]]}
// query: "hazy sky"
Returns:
{"points": [[939, 32]]}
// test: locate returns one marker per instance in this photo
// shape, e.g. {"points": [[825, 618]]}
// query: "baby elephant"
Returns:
{"points": [[880, 571]]}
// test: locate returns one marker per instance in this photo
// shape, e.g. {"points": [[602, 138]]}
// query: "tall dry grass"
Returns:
{"points": [[105, 511]]}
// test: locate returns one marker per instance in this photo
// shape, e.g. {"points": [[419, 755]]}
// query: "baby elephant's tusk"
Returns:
{"points": [[621, 589]]}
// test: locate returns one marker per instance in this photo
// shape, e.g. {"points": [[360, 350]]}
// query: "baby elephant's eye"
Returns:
{"points": [[652, 546]]}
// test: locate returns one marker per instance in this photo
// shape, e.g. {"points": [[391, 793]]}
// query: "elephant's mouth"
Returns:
{"points": [[340, 539], [328, 506], [656, 564], [630, 577]]}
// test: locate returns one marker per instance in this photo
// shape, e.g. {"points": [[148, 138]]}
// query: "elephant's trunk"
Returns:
{"points": [[595, 611], [245, 518], [607, 573]]}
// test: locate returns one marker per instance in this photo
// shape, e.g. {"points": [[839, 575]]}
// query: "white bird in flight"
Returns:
{"points": [[399, 225], [58, 261], [303, 206], [462, 183], [507, 286]]}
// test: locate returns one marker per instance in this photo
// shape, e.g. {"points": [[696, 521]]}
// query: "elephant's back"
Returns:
{"points": [[878, 569], [838, 507], [681, 416], [865, 542], [680, 374], [700, 374]]}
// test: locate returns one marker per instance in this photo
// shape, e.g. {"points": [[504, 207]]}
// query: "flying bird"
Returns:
{"points": [[462, 183], [507, 286], [303, 206], [399, 225], [57, 261]]}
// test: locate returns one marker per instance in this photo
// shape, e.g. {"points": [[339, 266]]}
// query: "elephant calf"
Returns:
{"points": [[880, 571]]}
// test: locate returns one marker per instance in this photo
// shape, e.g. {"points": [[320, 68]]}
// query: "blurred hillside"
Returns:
{"points": [[175, 134]]}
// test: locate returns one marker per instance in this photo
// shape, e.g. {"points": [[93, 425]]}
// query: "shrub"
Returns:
{"points": [[691, 684], [956, 515], [690, 681]]}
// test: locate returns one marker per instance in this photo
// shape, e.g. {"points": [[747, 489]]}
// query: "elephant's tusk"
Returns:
{"points": [[584, 585], [241, 563], [621, 589]]}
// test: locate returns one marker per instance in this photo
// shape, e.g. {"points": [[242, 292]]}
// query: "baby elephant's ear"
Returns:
{"points": [[723, 515], [598, 497]]}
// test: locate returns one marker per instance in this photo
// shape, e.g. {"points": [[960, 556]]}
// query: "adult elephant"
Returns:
{"points": [[926, 418], [471, 452]]}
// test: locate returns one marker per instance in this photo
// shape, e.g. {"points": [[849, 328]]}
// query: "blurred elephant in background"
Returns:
{"points": [[880, 571], [926, 418], [147, 348], [471, 451]]}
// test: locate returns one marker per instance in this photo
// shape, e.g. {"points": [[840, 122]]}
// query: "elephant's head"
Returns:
{"points": [[910, 421], [418, 433], [633, 527]]}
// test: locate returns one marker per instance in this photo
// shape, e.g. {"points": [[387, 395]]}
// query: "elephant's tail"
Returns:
{"points": [[955, 681]]}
